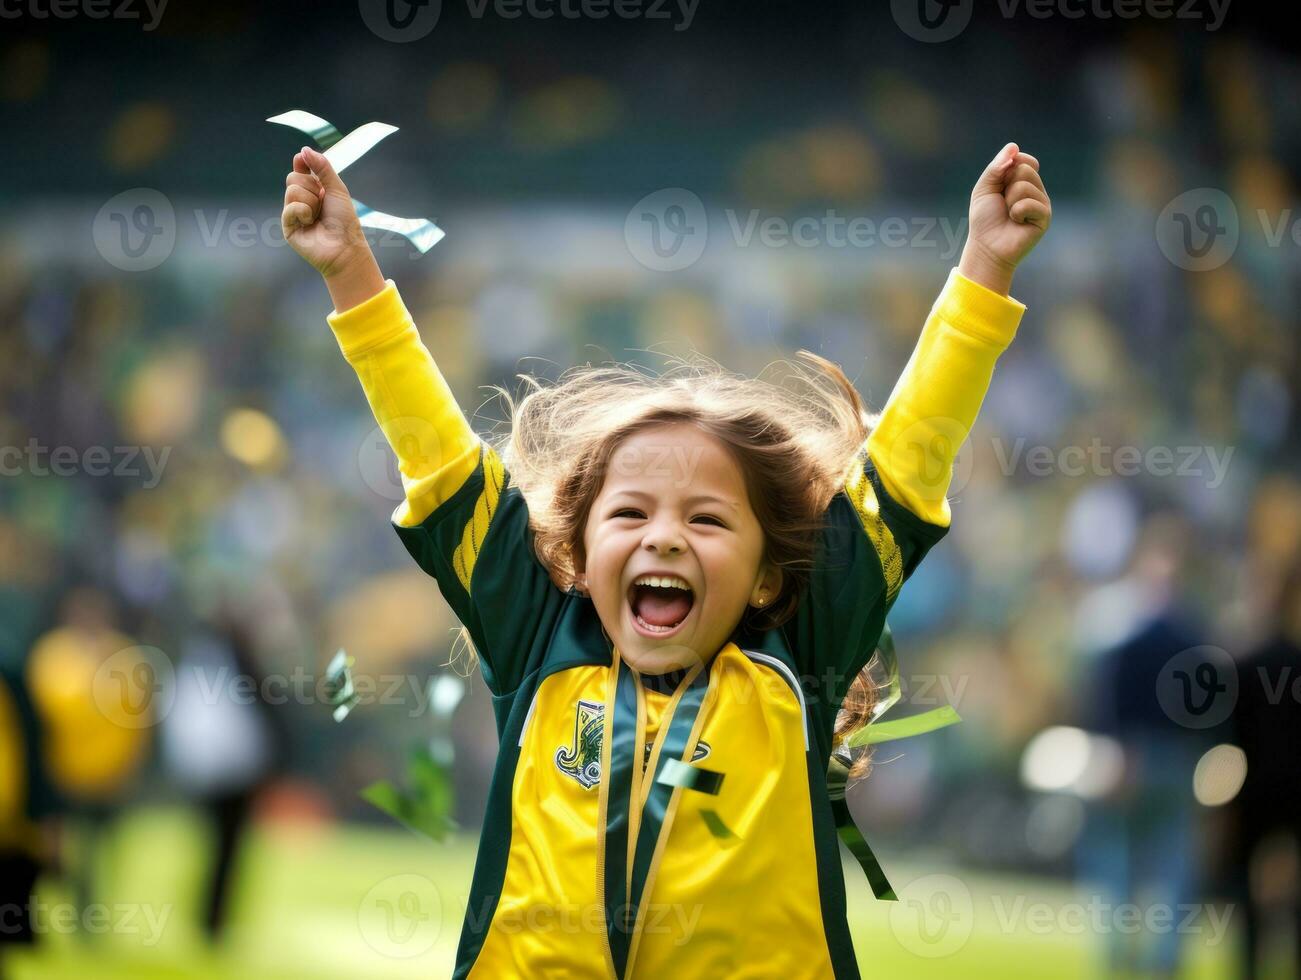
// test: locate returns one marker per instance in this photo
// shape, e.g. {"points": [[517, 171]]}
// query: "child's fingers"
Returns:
{"points": [[306, 181], [300, 165], [1031, 211], [1023, 190], [296, 215], [323, 169], [301, 195], [1024, 172], [992, 178], [1023, 157]]}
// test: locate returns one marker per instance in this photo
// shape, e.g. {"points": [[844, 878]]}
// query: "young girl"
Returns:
{"points": [[672, 585]]}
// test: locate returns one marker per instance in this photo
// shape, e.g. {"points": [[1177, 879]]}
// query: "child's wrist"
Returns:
{"points": [[354, 279], [979, 266]]}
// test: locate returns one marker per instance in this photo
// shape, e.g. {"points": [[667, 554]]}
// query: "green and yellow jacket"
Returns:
{"points": [[597, 858]]}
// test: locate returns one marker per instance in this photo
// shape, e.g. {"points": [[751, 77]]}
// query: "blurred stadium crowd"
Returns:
{"points": [[191, 476]]}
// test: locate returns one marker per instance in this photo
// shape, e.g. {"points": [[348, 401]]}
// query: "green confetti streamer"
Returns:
{"points": [[322, 132], [340, 692], [427, 807], [421, 233], [857, 844], [874, 733], [837, 782], [716, 826], [342, 151], [678, 773], [919, 724]]}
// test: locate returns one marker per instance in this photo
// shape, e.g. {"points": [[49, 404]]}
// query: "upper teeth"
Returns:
{"points": [[663, 582]]}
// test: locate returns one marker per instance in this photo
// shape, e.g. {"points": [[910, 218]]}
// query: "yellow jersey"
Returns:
{"points": [[606, 850]]}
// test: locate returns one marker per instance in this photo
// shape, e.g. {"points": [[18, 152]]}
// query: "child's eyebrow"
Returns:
{"points": [[705, 498]]}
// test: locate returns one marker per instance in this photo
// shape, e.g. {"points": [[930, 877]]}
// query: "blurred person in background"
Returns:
{"points": [[1139, 843], [1267, 812], [222, 743], [93, 691]]}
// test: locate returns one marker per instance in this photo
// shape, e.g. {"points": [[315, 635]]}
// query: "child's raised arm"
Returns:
{"points": [[894, 507], [435, 446], [935, 402], [462, 519]]}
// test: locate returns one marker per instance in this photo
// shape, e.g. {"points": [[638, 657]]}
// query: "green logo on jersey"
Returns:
{"points": [[702, 749], [582, 759]]}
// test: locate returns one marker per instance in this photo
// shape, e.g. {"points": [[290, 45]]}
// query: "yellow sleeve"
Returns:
{"points": [[935, 402], [435, 446]]}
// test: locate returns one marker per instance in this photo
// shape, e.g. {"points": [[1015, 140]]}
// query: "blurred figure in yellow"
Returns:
{"points": [[96, 696]]}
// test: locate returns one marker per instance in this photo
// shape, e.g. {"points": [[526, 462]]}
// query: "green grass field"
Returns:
{"points": [[323, 901]]}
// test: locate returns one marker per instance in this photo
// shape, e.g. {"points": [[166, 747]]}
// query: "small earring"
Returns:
{"points": [[763, 599]]}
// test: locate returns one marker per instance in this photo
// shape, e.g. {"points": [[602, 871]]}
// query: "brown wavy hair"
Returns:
{"points": [[793, 431]]}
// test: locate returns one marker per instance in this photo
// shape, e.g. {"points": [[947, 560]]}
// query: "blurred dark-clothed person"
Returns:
{"points": [[1140, 842], [222, 743], [1267, 723]]}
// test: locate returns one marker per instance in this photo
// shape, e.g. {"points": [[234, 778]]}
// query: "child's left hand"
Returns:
{"points": [[1009, 213]]}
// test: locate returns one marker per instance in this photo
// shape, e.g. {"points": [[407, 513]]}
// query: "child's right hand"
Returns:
{"points": [[318, 219]]}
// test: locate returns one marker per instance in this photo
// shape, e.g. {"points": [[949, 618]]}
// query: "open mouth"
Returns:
{"points": [[659, 604]]}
